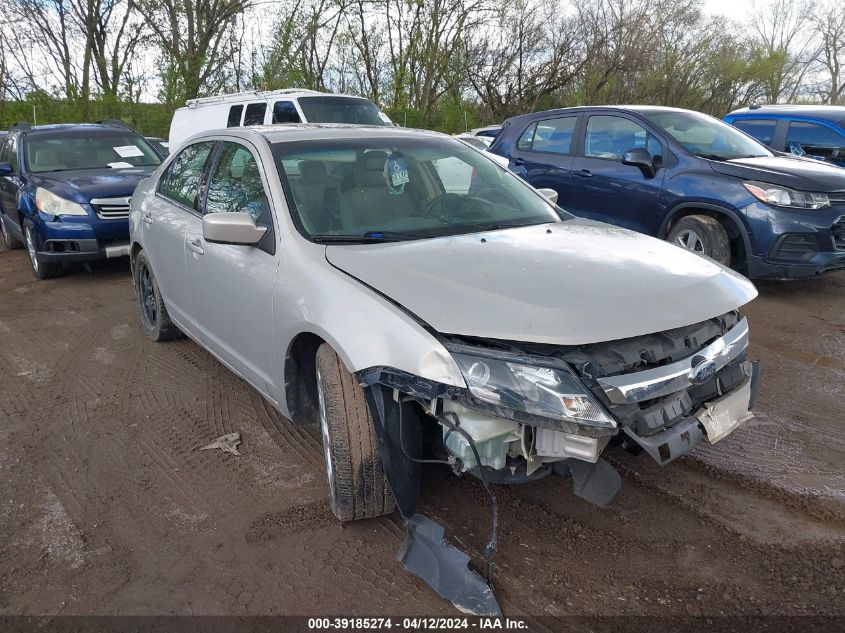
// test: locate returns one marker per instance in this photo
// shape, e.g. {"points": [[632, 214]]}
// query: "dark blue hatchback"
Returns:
{"points": [[65, 189], [688, 178]]}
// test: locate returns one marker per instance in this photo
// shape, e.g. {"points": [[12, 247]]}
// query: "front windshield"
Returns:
{"points": [[705, 136], [402, 188], [87, 150], [341, 110]]}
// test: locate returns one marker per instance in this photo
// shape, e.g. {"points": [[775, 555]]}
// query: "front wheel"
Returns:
{"points": [[703, 235], [358, 487], [41, 269], [153, 313]]}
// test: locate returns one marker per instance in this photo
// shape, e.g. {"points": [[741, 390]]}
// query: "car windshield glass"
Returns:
{"points": [[87, 150], [705, 136], [402, 188], [340, 110]]}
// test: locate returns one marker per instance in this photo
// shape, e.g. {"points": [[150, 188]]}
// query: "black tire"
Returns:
{"points": [[11, 240], [703, 235], [358, 487], [40, 268], [152, 312]]}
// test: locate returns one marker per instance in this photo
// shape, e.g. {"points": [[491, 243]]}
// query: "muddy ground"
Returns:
{"points": [[107, 508]]}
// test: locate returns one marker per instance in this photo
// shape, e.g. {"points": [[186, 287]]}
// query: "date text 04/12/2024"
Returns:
{"points": [[418, 623]]}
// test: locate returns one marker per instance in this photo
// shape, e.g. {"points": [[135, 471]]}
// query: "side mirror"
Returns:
{"points": [[231, 228], [639, 157], [548, 194], [5, 169]]}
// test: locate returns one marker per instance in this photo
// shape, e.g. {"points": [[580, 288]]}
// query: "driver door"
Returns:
{"points": [[232, 285], [604, 189]]}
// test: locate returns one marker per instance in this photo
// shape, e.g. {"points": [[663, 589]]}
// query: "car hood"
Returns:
{"points": [[565, 283], [791, 171], [84, 184]]}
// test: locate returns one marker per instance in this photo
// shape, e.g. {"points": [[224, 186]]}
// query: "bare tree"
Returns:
{"points": [[829, 25]]}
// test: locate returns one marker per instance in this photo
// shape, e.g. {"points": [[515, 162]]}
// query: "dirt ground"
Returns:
{"points": [[107, 508]]}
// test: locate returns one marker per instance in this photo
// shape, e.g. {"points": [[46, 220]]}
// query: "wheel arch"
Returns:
{"points": [[731, 220], [301, 377]]}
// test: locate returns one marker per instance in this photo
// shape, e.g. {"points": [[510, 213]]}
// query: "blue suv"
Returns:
{"points": [[65, 189], [688, 178], [812, 131]]}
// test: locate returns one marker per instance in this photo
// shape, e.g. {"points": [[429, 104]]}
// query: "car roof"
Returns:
{"points": [[57, 128], [601, 108], [834, 113], [288, 132]]}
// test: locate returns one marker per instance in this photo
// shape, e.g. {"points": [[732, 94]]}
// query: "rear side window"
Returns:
{"points": [[285, 112], [181, 181], [527, 138], [9, 153], [815, 141], [235, 116], [554, 135], [255, 114], [761, 129], [609, 137]]}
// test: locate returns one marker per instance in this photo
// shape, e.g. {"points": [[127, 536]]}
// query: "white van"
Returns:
{"points": [[291, 105]]}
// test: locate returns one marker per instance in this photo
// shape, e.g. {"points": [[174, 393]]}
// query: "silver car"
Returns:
{"points": [[414, 316]]}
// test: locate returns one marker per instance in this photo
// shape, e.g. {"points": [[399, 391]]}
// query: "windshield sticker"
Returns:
{"points": [[396, 173], [128, 151], [121, 165]]}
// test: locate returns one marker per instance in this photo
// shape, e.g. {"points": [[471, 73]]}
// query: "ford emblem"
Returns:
{"points": [[703, 369]]}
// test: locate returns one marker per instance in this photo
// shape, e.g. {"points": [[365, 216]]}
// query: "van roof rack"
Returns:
{"points": [[255, 94]]}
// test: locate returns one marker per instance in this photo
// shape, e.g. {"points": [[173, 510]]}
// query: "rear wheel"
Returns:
{"points": [[41, 269], [358, 487], [703, 235], [12, 242], [153, 313]]}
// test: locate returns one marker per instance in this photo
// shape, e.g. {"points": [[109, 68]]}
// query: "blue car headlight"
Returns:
{"points": [[550, 392]]}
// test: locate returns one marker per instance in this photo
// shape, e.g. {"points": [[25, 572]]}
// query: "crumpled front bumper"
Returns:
{"points": [[715, 421]]}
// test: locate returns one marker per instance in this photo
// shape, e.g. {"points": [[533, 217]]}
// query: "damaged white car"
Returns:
{"points": [[398, 287]]}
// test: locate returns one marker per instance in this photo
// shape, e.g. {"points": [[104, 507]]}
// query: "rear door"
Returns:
{"points": [[606, 190], [232, 285], [543, 155], [165, 218]]}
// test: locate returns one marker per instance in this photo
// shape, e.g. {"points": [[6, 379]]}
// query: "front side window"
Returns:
{"points": [[352, 110], [235, 185], [402, 188], [285, 112], [761, 129], [84, 149], [815, 141], [181, 181], [235, 113], [255, 114], [611, 136], [705, 136]]}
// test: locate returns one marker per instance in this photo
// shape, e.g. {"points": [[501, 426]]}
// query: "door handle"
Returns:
{"points": [[147, 217], [585, 173], [196, 246], [518, 161]]}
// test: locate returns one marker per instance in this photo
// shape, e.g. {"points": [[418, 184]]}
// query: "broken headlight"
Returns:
{"points": [[550, 392]]}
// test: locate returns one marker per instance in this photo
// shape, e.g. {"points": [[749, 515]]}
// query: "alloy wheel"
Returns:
{"points": [[690, 240], [148, 299], [324, 430], [30, 247]]}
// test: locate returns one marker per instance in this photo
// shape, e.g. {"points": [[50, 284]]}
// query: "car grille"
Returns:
{"points": [[837, 198], [838, 230], [111, 208]]}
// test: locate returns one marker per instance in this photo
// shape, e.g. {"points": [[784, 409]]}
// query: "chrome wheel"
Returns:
{"points": [[324, 430], [690, 240], [30, 246]]}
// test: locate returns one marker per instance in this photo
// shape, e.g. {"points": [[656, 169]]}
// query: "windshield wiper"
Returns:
{"points": [[370, 237], [720, 157]]}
